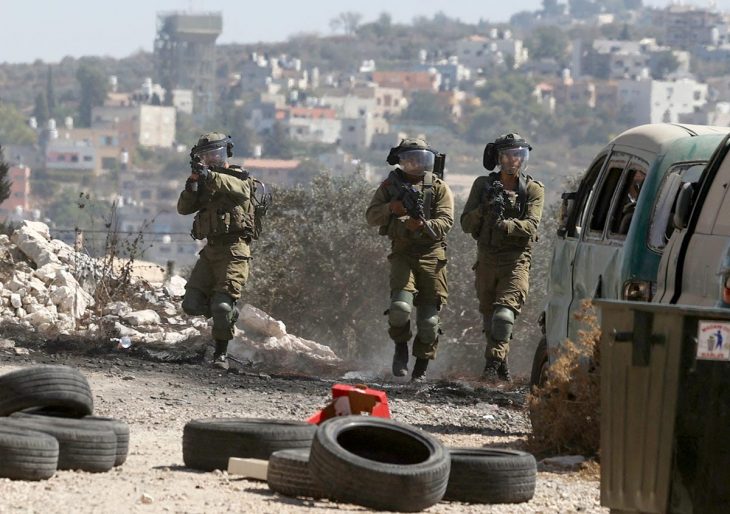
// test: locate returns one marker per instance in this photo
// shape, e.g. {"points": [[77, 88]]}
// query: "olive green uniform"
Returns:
{"points": [[223, 207], [504, 253], [417, 264]]}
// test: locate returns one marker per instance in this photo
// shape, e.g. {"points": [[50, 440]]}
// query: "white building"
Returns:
{"points": [[357, 133], [655, 101], [480, 51]]}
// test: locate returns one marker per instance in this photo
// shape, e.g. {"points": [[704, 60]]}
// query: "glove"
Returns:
{"points": [[414, 225], [501, 225], [397, 208], [191, 185]]}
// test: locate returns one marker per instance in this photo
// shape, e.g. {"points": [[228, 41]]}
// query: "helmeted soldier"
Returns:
{"points": [[221, 196], [502, 213], [418, 257]]}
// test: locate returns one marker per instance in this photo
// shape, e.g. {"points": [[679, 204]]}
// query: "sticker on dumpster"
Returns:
{"points": [[713, 341]]}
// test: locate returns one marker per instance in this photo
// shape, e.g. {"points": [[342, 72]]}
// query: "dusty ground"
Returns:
{"points": [[157, 399]]}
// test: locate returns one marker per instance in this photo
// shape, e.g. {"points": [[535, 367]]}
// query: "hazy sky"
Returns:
{"points": [[52, 29]]}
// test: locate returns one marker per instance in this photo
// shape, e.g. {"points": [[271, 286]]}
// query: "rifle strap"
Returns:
{"points": [[427, 194]]}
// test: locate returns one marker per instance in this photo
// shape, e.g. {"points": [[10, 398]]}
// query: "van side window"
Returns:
{"points": [[585, 191], [611, 178], [662, 216], [623, 210]]}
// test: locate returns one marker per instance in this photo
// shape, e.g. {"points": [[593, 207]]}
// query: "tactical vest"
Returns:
{"points": [[496, 240], [221, 215], [383, 230]]}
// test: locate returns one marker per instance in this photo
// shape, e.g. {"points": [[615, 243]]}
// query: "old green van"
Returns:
{"points": [[615, 226]]}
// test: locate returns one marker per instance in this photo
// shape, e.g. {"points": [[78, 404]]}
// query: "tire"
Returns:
{"points": [[120, 428], [379, 463], [209, 443], [540, 364], [27, 455], [59, 387], [289, 474], [485, 475], [84, 449]]}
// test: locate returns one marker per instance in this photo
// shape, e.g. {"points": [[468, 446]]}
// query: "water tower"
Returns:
{"points": [[185, 56]]}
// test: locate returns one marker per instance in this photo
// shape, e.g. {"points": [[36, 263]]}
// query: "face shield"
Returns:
{"points": [[212, 155], [513, 160], [416, 162]]}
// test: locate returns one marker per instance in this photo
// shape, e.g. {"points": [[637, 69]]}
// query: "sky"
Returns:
{"points": [[52, 29]]}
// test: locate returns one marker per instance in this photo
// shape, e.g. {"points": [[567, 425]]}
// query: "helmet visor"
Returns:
{"points": [[513, 160], [416, 162], [212, 155]]}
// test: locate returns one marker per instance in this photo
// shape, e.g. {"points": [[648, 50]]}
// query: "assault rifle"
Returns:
{"points": [[196, 167], [496, 198], [412, 200]]}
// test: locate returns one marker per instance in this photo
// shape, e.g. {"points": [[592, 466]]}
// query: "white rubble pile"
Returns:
{"points": [[44, 295], [261, 339]]}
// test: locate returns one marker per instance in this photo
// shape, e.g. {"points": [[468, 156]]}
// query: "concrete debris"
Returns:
{"points": [[53, 292], [251, 319]]}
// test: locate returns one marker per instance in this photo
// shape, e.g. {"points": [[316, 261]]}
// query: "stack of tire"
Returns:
{"points": [[46, 424], [369, 461]]}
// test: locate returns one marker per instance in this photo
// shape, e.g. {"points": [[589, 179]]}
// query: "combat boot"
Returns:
{"points": [[220, 357], [491, 369], [419, 370], [400, 359], [503, 371]]}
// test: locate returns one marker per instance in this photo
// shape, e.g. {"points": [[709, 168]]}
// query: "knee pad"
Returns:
{"points": [[503, 320], [401, 305], [195, 303], [221, 306], [427, 321]]}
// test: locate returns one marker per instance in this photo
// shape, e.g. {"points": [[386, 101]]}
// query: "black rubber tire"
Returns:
{"points": [[120, 428], [209, 443], [379, 463], [539, 364], [60, 387], [93, 450], [26, 454], [486, 475], [289, 474]]}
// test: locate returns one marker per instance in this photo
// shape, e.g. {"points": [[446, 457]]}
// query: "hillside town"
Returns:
{"points": [[293, 116]]}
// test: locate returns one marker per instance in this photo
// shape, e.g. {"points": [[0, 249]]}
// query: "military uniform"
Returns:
{"points": [[223, 217], [417, 263], [504, 253]]}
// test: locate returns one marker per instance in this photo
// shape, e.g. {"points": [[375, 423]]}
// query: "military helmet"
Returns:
{"points": [[503, 143], [212, 148], [413, 155]]}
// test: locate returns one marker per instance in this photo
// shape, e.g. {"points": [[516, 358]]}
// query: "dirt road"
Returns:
{"points": [[157, 399]]}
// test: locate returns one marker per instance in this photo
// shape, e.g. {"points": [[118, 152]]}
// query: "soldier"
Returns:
{"points": [[220, 195], [502, 213], [418, 258]]}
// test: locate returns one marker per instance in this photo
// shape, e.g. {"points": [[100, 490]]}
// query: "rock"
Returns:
{"points": [[175, 287], [146, 498], [34, 244], [123, 330], [144, 317], [21, 351], [40, 316], [117, 309], [252, 319], [564, 461], [71, 301], [6, 344], [15, 301], [15, 283], [48, 272]]}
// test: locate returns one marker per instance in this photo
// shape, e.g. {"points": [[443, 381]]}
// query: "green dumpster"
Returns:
{"points": [[665, 408]]}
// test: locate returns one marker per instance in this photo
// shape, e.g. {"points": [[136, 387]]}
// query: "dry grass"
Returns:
{"points": [[565, 411]]}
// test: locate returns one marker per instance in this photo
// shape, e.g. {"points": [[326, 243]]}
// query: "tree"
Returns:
{"points": [[40, 110], [548, 42], [348, 22], [278, 144], [243, 137], [93, 85], [13, 127], [4, 180], [426, 108], [50, 93]]}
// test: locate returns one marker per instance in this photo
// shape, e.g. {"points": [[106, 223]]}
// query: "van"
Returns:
{"points": [[614, 227], [695, 268]]}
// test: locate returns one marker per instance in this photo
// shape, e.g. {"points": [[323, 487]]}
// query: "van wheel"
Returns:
{"points": [[539, 364]]}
